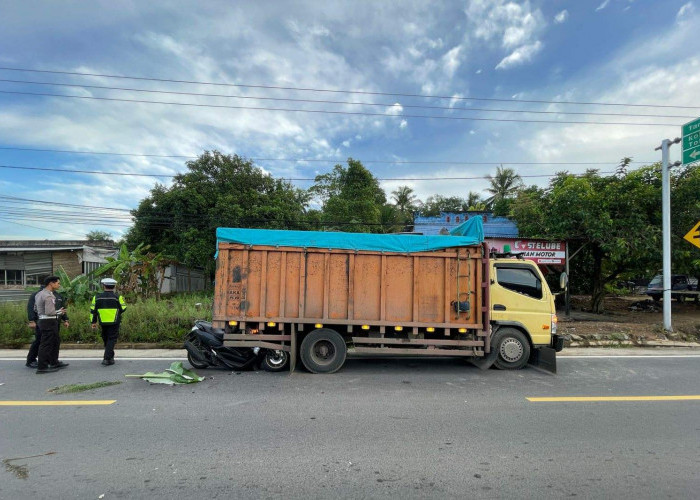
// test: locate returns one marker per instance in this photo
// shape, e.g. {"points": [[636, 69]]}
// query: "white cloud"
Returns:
{"points": [[602, 5], [685, 11], [561, 17], [520, 56], [395, 109], [403, 124], [451, 61]]}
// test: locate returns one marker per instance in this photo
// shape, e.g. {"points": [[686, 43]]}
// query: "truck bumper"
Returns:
{"points": [[557, 342]]}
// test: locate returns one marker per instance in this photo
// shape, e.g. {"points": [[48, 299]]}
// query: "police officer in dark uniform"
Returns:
{"points": [[33, 318], [107, 308]]}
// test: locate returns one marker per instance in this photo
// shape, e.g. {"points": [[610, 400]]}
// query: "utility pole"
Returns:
{"points": [[666, 224]]}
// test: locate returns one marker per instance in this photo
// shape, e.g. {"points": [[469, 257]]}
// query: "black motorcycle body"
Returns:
{"points": [[205, 348]]}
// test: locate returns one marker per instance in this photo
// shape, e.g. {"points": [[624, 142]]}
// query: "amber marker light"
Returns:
{"points": [[398, 328], [462, 330], [233, 323], [271, 323], [318, 325], [430, 329], [365, 327]]}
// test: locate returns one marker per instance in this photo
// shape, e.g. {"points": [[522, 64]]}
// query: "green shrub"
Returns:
{"points": [[164, 322]]}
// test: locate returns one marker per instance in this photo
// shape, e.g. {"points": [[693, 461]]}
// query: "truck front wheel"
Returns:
{"points": [[323, 351], [512, 347]]}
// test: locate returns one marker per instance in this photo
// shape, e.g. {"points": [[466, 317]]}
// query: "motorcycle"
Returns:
{"points": [[205, 348]]}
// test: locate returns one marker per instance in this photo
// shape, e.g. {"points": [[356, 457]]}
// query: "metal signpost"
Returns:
{"points": [[691, 154]]}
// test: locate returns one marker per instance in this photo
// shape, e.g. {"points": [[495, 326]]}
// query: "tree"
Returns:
{"points": [[217, 191], [405, 203], [436, 204], [474, 201], [96, 235], [352, 198], [616, 219], [139, 273], [503, 186]]}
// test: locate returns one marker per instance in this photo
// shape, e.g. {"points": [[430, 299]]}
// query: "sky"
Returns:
{"points": [[432, 95]]}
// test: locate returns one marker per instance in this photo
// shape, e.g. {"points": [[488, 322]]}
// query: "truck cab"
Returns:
{"points": [[523, 314]]}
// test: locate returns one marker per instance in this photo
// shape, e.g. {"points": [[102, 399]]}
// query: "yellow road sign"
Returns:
{"points": [[693, 235]]}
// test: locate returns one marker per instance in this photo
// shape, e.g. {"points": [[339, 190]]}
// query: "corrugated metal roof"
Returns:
{"points": [[494, 227], [37, 249]]}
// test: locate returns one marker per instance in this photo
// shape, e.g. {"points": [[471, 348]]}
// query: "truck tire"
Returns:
{"points": [[323, 351], [512, 347]]}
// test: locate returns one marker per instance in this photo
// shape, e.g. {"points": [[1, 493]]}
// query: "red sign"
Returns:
{"points": [[540, 251]]}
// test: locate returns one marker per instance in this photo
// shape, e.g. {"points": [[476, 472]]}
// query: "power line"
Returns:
{"points": [[316, 160], [337, 91], [352, 103], [331, 112], [104, 172]]}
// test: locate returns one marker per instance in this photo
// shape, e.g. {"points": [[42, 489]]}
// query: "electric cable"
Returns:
{"points": [[352, 103], [332, 112], [338, 91]]}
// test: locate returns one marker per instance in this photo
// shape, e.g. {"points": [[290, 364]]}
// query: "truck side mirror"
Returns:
{"points": [[563, 281]]}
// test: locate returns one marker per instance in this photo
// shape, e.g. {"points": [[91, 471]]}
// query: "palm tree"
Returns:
{"points": [[474, 201], [404, 199], [503, 185]]}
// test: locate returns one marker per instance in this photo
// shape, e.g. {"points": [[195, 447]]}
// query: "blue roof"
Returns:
{"points": [[494, 227]]}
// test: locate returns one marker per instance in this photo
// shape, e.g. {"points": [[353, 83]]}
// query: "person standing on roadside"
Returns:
{"points": [[49, 317], [33, 318], [107, 308]]}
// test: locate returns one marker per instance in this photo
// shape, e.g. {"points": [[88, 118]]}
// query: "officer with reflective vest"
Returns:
{"points": [[107, 308]]}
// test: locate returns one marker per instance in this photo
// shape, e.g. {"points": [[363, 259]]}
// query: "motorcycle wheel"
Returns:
{"points": [[196, 364], [275, 361]]}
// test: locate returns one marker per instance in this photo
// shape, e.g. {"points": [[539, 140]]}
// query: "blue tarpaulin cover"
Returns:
{"points": [[472, 233]]}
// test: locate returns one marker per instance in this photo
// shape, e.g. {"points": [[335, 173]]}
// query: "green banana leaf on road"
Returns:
{"points": [[176, 374]]}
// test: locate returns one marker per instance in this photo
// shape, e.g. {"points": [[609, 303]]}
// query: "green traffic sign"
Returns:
{"points": [[691, 141]]}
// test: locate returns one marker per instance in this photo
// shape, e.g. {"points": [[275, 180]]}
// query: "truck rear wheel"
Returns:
{"points": [[323, 351], [513, 349]]}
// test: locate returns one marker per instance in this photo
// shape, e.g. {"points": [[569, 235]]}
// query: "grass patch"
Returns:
{"points": [[164, 321], [71, 388]]}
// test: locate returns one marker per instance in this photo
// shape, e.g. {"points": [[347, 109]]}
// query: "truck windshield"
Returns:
{"points": [[519, 279], [656, 280]]}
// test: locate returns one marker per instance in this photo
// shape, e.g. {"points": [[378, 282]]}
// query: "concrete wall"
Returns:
{"points": [[69, 261]]}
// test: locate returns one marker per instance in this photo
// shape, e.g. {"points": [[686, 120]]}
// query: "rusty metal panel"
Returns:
{"points": [[273, 282], [291, 288], [345, 288], [315, 284], [398, 288], [235, 277], [252, 284], [338, 286], [367, 300], [430, 290]]}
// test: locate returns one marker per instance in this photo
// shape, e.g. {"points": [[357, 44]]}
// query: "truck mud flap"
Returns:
{"points": [[544, 358]]}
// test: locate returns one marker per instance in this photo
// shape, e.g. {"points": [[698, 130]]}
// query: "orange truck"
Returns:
{"points": [[320, 297]]}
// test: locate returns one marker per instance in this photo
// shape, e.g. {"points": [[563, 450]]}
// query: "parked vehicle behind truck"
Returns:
{"points": [[683, 287], [321, 296]]}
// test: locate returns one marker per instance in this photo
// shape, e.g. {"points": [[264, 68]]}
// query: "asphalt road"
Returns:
{"points": [[377, 429]]}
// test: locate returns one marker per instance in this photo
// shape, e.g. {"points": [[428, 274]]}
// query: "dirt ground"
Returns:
{"points": [[627, 319]]}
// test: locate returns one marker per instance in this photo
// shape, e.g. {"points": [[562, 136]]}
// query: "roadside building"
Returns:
{"points": [[27, 262], [500, 233]]}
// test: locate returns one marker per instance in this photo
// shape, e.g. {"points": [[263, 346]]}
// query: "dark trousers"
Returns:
{"points": [[49, 344], [34, 348], [109, 337]]}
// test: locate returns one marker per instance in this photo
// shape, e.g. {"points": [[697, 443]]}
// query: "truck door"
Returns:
{"points": [[518, 294]]}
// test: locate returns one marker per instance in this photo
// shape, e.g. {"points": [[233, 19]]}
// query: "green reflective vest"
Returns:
{"points": [[107, 307]]}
